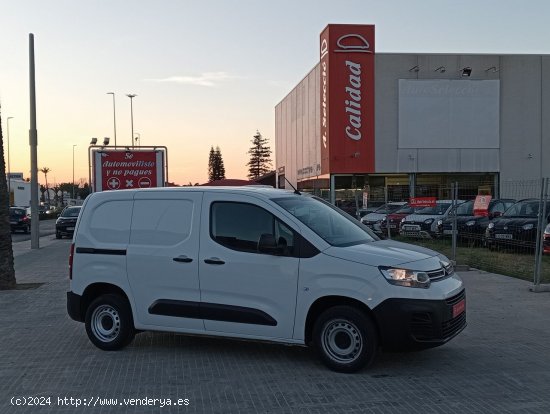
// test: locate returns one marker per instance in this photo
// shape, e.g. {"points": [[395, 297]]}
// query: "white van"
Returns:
{"points": [[259, 264]]}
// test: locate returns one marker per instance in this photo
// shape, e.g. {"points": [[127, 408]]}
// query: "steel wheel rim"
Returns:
{"points": [[105, 323], [342, 341]]}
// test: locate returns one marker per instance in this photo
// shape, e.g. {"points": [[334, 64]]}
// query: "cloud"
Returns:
{"points": [[206, 79]]}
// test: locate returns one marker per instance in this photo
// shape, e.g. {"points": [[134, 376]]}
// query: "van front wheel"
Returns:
{"points": [[345, 338], [109, 322]]}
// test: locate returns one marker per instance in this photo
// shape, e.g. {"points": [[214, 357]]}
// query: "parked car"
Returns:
{"points": [[394, 219], [517, 227], [472, 228], [66, 222], [374, 220], [426, 222], [259, 264], [20, 219]]}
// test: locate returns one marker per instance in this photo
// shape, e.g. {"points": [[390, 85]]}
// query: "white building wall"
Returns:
{"points": [[524, 118]]}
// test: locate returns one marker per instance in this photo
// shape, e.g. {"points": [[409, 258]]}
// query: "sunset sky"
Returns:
{"points": [[206, 72]]}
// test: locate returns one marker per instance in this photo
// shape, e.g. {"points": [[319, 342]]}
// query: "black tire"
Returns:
{"points": [[109, 323], [58, 235], [345, 339]]}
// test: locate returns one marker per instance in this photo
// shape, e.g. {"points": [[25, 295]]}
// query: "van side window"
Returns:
{"points": [[239, 226], [110, 222], [161, 222]]}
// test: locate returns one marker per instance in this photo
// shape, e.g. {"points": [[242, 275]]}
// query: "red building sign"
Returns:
{"points": [[347, 99], [422, 201], [121, 170]]}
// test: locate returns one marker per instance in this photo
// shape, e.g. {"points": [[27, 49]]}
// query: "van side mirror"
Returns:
{"points": [[267, 244]]}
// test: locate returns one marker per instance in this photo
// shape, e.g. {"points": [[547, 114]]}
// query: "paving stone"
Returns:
{"points": [[499, 364]]}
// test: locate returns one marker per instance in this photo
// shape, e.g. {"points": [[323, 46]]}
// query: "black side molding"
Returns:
{"points": [[180, 308], [211, 311], [91, 250]]}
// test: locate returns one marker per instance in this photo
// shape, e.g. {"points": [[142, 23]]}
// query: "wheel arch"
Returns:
{"points": [[101, 288], [323, 303]]}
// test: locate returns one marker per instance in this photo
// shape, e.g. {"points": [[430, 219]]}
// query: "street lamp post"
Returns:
{"points": [[9, 178], [74, 145], [132, 96], [114, 113]]}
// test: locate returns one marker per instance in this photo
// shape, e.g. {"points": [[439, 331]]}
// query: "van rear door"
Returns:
{"points": [[162, 259]]}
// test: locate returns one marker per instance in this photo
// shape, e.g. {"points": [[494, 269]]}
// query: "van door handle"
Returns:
{"points": [[214, 261], [183, 258]]}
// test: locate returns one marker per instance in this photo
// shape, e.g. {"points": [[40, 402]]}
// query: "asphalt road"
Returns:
{"points": [[47, 227]]}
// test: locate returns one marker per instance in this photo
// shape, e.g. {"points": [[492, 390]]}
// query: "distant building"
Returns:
{"points": [[412, 123]]}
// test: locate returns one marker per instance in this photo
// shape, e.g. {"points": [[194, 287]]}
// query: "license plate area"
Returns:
{"points": [[410, 227], [459, 308], [70, 228], [504, 236], [393, 226]]}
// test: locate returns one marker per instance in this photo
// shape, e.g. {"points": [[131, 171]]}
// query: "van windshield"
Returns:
{"points": [[331, 224]]}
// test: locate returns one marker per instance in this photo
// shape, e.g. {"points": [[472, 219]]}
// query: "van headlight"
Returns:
{"points": [[491, 225], [429, 221], [406, 277], [470, 223], [527, 227]]}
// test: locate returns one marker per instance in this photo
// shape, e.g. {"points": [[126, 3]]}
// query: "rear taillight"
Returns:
{"points": [[71, 255], [25, 219]]}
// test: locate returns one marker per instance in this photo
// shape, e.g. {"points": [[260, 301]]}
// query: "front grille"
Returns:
{"points": [[453, 300], [454, 325], [437, 275], [426, 326]]}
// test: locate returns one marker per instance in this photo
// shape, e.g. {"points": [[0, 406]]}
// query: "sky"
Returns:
{"points": [[206, 73]]}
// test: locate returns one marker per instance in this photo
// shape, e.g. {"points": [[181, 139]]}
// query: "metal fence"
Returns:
{"points": [[511, 236]]}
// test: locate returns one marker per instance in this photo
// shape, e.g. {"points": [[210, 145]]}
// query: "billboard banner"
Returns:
{"points": [[127, 169], [347, 99]]}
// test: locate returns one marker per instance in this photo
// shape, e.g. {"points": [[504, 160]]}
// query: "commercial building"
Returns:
{"points": [[412, 123]]}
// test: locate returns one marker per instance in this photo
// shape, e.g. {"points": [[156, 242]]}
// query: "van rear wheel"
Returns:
{"points": [[345, 338], [109, 322]]}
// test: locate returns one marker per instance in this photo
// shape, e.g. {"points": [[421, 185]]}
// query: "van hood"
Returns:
{"points": [[381, 253], [374, 217]]}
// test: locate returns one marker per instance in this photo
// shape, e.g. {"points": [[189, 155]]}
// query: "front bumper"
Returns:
{"points": [[411, 324], [74, 307], [418, 229]]}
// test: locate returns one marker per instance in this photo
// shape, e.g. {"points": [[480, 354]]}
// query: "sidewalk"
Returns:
{"points": [[499, 364]]}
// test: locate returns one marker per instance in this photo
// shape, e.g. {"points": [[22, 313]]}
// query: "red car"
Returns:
{"points": [[394, 219]]}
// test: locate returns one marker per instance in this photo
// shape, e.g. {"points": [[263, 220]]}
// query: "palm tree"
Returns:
{"points": [[7, 271], [46, 170]]}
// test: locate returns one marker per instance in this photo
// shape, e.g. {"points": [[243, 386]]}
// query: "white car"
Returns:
{"points": [[255, 263], [374, 220], [427, 222]]}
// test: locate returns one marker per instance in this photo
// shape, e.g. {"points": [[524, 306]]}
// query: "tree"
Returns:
{"points": [[219, 168], [260, 157], [216, 168], [211, 158], [46, 170], [7, 270]]}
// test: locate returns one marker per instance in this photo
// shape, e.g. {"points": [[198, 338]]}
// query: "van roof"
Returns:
{"points": [[261, 190]]}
